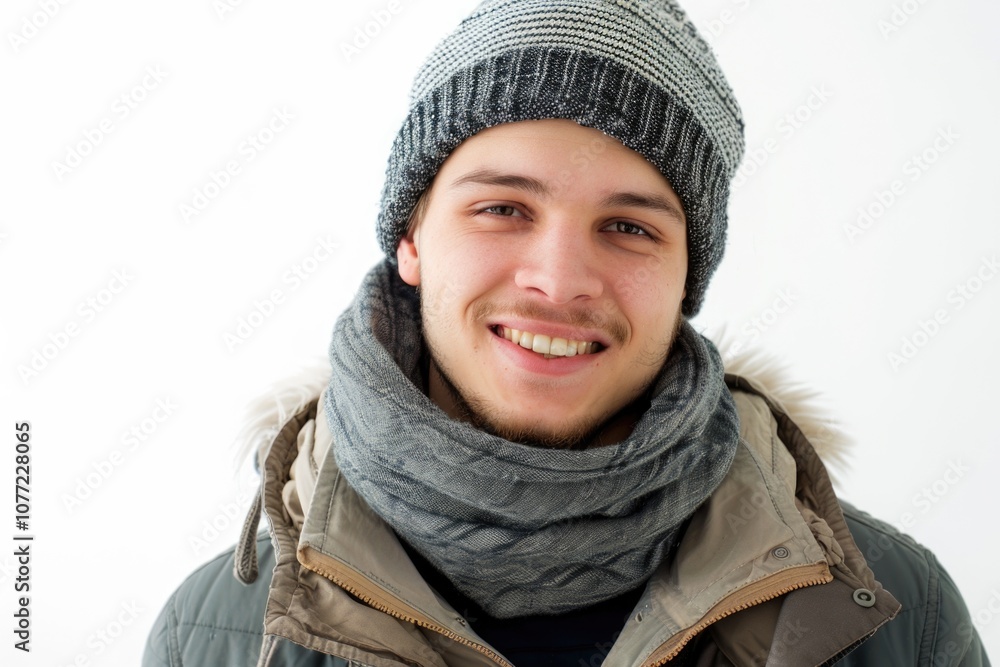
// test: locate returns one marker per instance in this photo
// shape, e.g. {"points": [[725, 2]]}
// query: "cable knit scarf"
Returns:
{"points": [[519, 529]]}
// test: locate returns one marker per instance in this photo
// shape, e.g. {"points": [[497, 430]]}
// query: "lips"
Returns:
{"points": [[549, 346]]}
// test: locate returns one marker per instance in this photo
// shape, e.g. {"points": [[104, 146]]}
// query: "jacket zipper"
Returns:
{"points": [[311, 559], [817, 574]]}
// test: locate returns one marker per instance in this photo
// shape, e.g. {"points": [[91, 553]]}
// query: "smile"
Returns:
{"points": [[548, 346]]}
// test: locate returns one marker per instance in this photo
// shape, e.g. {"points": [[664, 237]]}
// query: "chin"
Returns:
{"points": [[530, 432], [546, 440], [521, 426]]}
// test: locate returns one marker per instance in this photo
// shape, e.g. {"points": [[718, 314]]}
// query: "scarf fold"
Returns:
{"points": [[521, 530]]}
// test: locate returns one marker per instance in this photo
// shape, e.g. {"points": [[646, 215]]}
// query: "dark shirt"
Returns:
{"points": [[579, 638]]}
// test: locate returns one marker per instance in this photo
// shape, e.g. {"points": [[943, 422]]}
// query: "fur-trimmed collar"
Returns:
{"points": [[805, 405]]}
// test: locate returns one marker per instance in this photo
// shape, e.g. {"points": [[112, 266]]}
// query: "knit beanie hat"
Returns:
{"points": [[636, 70]]}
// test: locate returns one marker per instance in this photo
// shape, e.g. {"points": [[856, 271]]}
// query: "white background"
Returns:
{"points": [[161, 337]]}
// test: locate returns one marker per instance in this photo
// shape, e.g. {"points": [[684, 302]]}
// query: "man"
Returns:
{"points": [[525, 454]]}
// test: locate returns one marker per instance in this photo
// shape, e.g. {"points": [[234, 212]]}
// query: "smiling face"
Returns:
{"points": [[551, 262]]}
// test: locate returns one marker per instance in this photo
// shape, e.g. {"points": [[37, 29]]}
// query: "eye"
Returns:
{"points": [[629, 228], [501, 210]]}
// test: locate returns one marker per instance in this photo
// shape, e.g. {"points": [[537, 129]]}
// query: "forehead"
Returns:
{"points": [[554, 158]]}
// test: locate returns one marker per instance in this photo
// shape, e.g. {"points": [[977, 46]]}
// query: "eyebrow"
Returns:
{"points": [[647, 200]]}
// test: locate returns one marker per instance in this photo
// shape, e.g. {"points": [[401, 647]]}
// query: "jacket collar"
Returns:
{"points": [[773, 528]]}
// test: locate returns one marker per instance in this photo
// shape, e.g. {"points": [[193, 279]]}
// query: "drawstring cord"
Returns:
{"points": [[245, 560]]}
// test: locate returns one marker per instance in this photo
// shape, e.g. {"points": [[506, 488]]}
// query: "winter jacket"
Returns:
{"points": [[772, 570]]}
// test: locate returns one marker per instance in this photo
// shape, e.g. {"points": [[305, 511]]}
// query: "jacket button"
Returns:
{"points": [[779, 552], [864, 597]]}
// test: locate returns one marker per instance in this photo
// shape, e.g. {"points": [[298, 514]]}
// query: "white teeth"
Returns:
{"points": [[549, 346], [558, 347], [541, 344]]}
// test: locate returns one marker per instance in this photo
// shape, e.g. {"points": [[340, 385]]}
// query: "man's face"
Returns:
{"points": [[559, 232]]}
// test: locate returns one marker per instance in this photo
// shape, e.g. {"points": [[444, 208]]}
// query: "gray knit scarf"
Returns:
{"points": [[521, 530]]}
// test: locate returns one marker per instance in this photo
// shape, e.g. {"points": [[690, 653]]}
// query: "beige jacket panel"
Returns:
{"points": [[745, 544]]}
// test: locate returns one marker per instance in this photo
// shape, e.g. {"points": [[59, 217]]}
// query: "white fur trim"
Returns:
{"points": [[265, 415], [803, 403]]}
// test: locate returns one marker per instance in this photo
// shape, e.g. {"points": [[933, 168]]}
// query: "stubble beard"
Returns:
{"points": [[582, 434], [482, 415]]}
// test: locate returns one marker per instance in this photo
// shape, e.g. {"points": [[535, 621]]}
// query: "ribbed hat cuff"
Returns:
{"points": [[538, 83]]}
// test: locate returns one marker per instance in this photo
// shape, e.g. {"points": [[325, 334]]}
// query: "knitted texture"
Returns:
{"points": [[521, 530], [636, 70]]}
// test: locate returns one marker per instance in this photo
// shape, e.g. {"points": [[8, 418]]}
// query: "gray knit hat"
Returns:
{"points": [[636, 70]]}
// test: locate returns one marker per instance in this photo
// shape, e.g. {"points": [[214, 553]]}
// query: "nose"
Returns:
{"points": [[560, 263]]}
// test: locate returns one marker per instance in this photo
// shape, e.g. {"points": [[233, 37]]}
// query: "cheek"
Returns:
{"points": [[453, 280], [650, 297], [479, 264], [650, 281]]}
